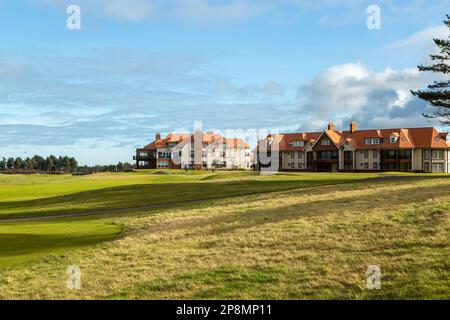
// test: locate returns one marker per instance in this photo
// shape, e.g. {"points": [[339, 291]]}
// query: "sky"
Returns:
{"points": [[138, 67]]}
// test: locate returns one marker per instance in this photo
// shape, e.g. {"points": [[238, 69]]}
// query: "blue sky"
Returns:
{"points": [[137, 67]]}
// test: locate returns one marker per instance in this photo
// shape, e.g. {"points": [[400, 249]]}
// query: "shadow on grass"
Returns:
{"points": [[376, 239], [142, 196], [215, 225], [16, 244]]}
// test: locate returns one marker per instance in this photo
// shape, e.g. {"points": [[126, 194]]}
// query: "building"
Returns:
{"points": [[405, 150], [194, 151]]}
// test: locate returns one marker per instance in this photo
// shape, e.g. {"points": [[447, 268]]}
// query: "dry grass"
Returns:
{"points": [[307, 243]]}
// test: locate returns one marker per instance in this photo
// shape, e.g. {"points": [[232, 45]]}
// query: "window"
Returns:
{"points": [[375, 166], [366, 166], [437, 155], [164, 155], [372, 140], [163, 164], [327, 155], [393, 139], [293, 155], [366, 154], [297, 143], [392, 154], [325, 142], [348, 156], [438, 167], [300, 166], [426, 167], [407, 154], [143, 154], [375, 154], [426, 154], [300, 155]]}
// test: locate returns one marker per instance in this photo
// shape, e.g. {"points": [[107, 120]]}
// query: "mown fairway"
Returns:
{"points": [[23, 196], [291, 236]]}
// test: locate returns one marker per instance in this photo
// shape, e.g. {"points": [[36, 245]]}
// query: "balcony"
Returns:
{"points": [[326, 156], [143, 158]]}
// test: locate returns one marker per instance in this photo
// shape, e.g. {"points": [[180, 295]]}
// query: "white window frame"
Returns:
{"points": [[372, 140], [298, 144]]}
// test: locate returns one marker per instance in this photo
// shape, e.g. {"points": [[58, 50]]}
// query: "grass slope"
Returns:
{"points": [[313, 242], [21, 242], [68, 195]]}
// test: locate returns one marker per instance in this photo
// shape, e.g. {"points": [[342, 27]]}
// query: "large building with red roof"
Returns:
{"points": [[403, 149], [193, 151]]}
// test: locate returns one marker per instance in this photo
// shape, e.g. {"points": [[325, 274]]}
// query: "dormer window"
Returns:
{"points": [[394, 139], [298, 144], [372, 140]]}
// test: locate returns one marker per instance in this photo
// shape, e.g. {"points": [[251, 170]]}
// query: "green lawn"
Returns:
{"points": [[21, 242], [286, 236], [23, 196]]}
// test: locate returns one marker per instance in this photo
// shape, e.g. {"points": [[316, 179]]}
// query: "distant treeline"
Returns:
{"points": [[37, 163], [52, 164], [120, 167]]}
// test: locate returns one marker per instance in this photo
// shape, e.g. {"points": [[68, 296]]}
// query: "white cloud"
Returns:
{"points": [[352, 91], [422, 39]]}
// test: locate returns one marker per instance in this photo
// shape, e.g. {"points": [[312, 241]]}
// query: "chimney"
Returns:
{"points": [[158, 136], [353, 127], [331, 126]]}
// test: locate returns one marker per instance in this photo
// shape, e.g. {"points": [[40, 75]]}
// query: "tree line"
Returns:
{"points": [[37, 163], [119, 167], [52, 164]]}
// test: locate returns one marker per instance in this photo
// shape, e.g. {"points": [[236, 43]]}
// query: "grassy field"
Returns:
{"points": [[226, 235], [23, 196]]}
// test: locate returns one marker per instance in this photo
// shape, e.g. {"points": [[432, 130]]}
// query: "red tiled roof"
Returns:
{"points": [[407, 138], [208, 138], [286, 140]]}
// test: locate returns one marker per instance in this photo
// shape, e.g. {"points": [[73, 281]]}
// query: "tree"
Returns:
{"points": [[18, 163], [67, 166], [10, 163], [3, 164], [438, 93], [73, 164], [60, 164], [55, 163], [40, 163], [29, 164], [50, 164]]}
